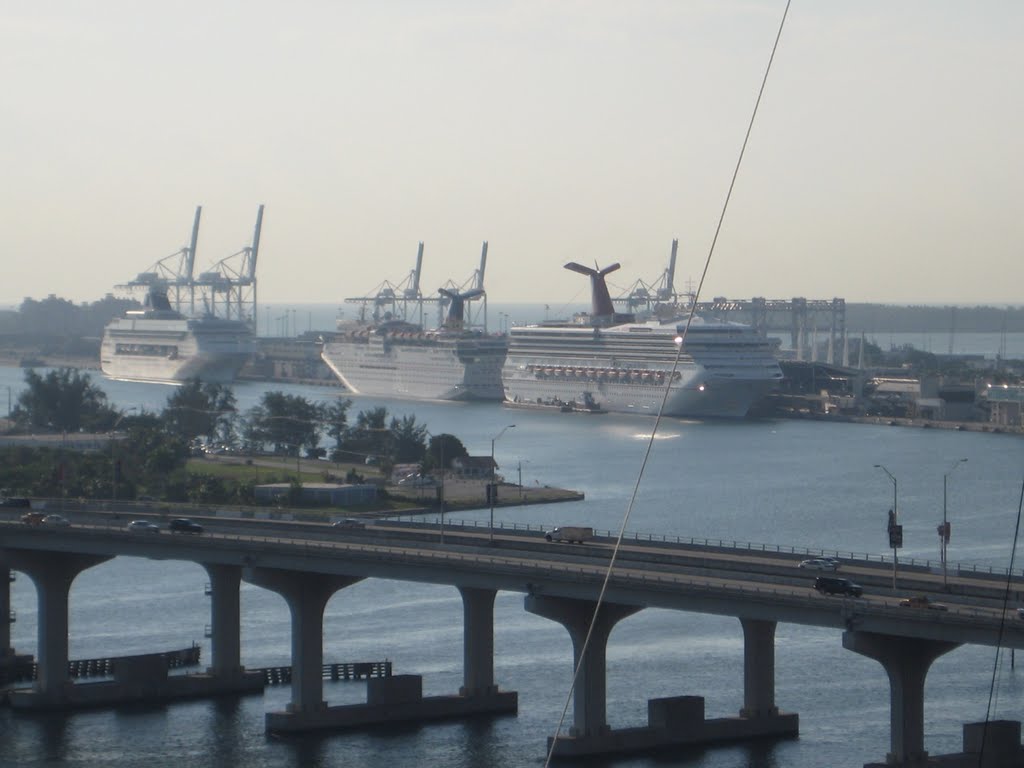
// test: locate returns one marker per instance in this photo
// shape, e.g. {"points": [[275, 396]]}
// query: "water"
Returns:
{"points": [[780, 482]]}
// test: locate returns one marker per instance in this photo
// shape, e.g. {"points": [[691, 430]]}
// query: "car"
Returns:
{"points": [[184, 525], [830, 585], [348, 522], [922, 601], [32, 518], [56, 520], [819, 564], [15, 501], [1020, 613], [143, 526]]}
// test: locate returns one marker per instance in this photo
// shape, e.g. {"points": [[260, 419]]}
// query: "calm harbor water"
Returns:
{"points": [[810, 485]]}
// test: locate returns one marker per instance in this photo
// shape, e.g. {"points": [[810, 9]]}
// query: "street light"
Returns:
{"points": [[895, 531], [493, 488], [440, 446], [115, 478], [944, 528]]}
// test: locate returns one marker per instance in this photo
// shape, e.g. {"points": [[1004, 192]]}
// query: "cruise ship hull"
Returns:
{"points": [[424, 366], [172, 351], [722, 372]]}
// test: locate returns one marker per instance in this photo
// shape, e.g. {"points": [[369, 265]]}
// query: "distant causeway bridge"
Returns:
{"points": [[308, 563]]}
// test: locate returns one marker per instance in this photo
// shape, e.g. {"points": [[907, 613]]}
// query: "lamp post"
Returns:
{"points": [[895, 530], [440, 446], [493, 488], [115, 478], [944, 528]]}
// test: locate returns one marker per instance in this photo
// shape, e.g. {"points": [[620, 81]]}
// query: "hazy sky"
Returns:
{"points": [[885, 163]]}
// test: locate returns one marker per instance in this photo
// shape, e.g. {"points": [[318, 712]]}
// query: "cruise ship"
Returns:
{"points": [[607, 361], [396, 358], [159, 344]]}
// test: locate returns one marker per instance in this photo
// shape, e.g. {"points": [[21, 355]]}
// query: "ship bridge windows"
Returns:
{"points": [[147, 350]]}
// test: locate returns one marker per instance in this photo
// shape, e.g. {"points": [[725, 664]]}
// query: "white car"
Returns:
{"points": [[143, 526], [819, 564], [58, 520]]}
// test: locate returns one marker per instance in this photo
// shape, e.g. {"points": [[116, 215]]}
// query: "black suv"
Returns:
{"points": [[184, 525], [830, 585]]}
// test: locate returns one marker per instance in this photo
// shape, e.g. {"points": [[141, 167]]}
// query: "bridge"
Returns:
{"points": [[307, 563]]}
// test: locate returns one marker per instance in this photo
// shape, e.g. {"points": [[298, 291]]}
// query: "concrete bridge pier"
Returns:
{"points": [[307, 595], [906, 661], [225, 619], [589, 702], [52, 576], [478, 642], [758, 669]]}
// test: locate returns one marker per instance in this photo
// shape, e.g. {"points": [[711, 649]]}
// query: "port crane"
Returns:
{"points": [[642, 297], [391, 301], [470, 291], [173, 273], [230, 281]]}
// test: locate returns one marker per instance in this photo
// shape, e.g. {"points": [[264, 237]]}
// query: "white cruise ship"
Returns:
{"points": [[159, 344], [610, 362], [399, 359]]}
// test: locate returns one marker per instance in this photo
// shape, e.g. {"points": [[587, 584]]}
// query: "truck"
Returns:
{"points": [[570, 533]]}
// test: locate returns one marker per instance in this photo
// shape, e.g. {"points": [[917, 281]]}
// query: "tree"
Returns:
{"points": [[335, 416], [288, 422], [408, 440], [370, 436], [442, 449], [201, 409], [63, 400]]}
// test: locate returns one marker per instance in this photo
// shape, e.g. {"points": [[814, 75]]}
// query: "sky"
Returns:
{"points": [[884, 164]]}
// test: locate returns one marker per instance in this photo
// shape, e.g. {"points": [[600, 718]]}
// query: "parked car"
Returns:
{"points": [[922, 601], [184, 525], [143, 526], [56, 520], [830, 585], [819, 564]]}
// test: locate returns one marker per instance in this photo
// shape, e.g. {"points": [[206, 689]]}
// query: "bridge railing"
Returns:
{"points": [[731, 545]]}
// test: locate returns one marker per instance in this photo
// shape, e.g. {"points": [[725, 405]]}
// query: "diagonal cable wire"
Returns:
{"points": [[1002, 627], [680, 344]]}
